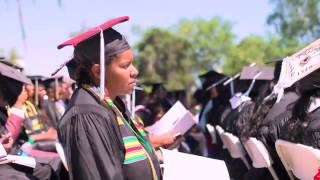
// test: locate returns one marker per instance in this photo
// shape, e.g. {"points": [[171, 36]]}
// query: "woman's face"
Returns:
{"points": [[30, 90], [121, 74]]}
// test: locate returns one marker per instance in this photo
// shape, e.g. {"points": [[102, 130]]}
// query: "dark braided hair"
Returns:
{"points": [[82, 70]]}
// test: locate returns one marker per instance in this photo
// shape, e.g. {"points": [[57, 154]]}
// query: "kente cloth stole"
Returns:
{"points": [[137, 147]]}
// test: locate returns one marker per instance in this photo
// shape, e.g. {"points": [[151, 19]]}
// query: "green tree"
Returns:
{"points": [[164, 57], [255, 49], [297, 21], [211, 40]]}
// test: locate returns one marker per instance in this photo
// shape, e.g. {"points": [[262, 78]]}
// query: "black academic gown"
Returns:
{"points": [[282, 127], [242, 123], [306, 132], [92, 142], [287, 128], [49, 108], [231, 123], [280, 107], [228, 122], [312, 134], [251, 120]]}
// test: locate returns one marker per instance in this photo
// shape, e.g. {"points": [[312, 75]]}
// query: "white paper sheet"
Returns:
{"points": [[183, 166], [177, 120], [22, 160]]}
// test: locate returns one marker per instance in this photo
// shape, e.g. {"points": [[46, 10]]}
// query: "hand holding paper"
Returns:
{"points": [[7, 142], [177, 120], [22, 160]]}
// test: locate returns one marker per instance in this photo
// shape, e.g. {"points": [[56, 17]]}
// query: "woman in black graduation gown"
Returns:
{"points": [[301, 125], [98, 137], [296, 124]]}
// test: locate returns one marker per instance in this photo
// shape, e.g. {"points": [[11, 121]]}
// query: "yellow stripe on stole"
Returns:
{"points": [[120, 121], [134, 154], [132, 144]]}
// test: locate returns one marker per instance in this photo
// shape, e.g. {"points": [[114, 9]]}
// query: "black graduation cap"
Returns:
{"points": [[13, 73], [177, 94], [158, 87], [12, 65], [211, 79], [52, 82], [36, 81], [95, 46], [11, 83], [258, 73], [154, 87], [277, 67]]}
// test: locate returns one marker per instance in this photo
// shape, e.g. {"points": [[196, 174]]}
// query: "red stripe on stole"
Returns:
{"points": [[138, 126], [131, 149]]}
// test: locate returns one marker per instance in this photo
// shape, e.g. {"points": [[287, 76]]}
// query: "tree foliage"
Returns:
{"points": [[211, 40], [296, 20], [191, 47], [164, 57], [255, 49]]}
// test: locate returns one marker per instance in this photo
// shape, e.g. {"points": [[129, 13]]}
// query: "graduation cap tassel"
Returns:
{"points": [[252, 84], [133, 103], [56, 90], [232, 88], [36, 92], [102, 64], [127, 99]]}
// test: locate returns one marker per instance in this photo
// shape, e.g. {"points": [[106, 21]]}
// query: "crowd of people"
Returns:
{"points": [[102, 139]]}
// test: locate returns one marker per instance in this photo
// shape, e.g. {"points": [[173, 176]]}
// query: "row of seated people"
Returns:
{"points": [[27, 130], [294, 118]]}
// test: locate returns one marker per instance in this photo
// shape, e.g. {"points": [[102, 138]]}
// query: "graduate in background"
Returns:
{"points": [[55, 91], [12, 97], [216, 98]]}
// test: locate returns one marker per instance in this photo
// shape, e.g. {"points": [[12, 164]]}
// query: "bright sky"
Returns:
{"points": [[47, 24]]}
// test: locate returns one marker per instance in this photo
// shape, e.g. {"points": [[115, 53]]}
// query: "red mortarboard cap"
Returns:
{"points": [[90, 47], [94, 31], [88, 44]]}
